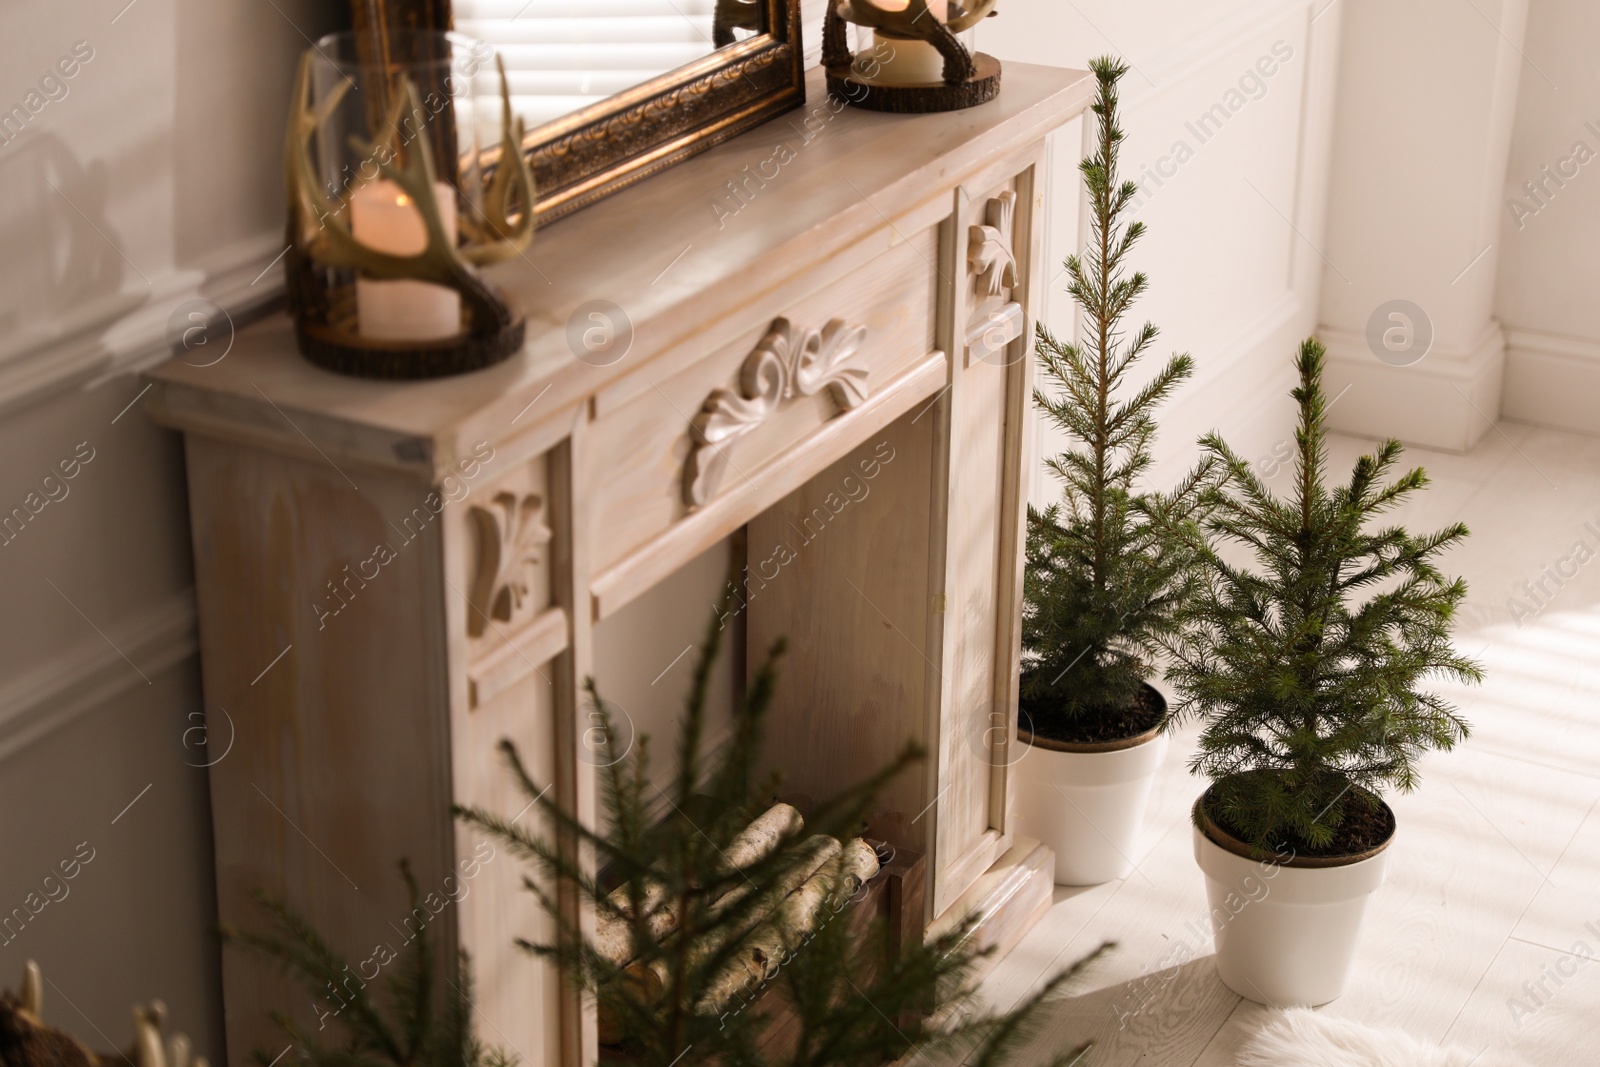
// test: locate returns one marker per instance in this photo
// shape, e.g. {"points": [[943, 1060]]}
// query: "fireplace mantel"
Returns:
{"points": [[394, 576]]}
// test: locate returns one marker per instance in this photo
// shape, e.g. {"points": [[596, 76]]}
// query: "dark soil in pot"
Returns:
{"points": [[1045, 723], [1367, 827]]}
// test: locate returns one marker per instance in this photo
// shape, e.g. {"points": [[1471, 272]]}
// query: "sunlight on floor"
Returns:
{"points": [[1482, 934]]}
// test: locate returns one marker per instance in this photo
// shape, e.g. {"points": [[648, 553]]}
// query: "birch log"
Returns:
{"points": [[791, 923], [761, 838], [613, 935], [817, 852]]}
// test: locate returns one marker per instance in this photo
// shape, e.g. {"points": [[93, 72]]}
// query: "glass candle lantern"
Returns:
{"points": [[405, 176]]}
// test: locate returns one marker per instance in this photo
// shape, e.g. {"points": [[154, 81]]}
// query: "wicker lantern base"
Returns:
{"points": [[336, 346], [862, 92]]}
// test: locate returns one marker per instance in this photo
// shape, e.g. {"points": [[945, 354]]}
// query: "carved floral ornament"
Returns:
{"points": [[788, 362], [995, 320], [989, 252], [511, 532]]}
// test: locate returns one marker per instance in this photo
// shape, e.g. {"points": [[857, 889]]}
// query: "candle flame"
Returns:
{"points": [[402, 200]]}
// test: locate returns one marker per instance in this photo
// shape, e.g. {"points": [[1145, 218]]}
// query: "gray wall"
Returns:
{"points": [[147, 178]]}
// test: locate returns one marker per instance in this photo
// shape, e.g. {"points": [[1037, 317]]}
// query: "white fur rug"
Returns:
{"points": [[1305, 1038]]}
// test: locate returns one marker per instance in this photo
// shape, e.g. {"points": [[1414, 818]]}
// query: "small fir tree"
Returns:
{"points": [[854, 1003], [1108, 566], [400, 1028], [1307, 668]]}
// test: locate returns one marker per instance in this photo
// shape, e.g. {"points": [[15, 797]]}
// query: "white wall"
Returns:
{"points": [[1427, 93], [149, 177], [1550, 259], [1231, 280], [1464, 182]]}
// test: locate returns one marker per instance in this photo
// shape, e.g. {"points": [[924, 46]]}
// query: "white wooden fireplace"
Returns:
{"points": [[393, 577]]}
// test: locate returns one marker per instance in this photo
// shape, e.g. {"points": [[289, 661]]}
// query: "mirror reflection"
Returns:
{"points": [[564, 55]]}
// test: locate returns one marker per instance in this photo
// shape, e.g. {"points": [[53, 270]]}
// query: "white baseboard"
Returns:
{"points": [[1447, 401], [127, 331], [1552, 380], [85, 676]]}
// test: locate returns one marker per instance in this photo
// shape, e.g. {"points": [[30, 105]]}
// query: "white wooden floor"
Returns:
{"points": [[1496, 869]]}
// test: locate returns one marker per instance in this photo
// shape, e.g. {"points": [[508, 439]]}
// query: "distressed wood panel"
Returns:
{"points": [[640, 449], [840, 569], [518, 997], [333, 776], [503, 641], [991, 235], [653, 561]]}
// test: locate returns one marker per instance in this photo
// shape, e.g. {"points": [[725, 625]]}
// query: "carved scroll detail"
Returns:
{"points": [[788, 362], [989, 251], [511, 531]]}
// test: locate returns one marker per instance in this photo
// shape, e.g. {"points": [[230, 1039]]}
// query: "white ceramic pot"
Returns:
{"points": [[1087, 802], [1285, 935]]}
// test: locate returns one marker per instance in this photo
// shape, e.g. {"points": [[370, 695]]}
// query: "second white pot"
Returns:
{"points": [[1285, 936], [1088, 804]]}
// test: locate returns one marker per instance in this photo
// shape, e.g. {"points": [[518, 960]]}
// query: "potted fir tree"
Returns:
{"points": [[1307, 670], [1109, 565]]}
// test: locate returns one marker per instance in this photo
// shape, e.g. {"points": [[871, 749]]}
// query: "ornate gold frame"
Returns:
{"points": [[592, 153], [608, 146]]}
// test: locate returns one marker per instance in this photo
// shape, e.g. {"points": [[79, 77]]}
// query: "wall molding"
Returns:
{"points": [[1552, 380], [1448, 400], [1170, 69], [108, 338], [90, 673]]}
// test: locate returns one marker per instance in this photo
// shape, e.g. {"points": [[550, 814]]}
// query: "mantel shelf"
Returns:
{"points": [[655, 251]]}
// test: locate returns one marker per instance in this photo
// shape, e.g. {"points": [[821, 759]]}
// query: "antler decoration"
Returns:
{"points": [[731, 15], [320, 228], [26, 1041], [914, 22], [494, 237]]}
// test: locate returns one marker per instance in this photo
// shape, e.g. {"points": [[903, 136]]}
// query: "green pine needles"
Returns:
{"points": [[694, 920], [1308, 667], [1109, 566], [403, 1028]]}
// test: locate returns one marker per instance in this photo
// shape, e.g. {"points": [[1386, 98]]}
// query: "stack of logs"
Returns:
{"points": [[827, 874]]}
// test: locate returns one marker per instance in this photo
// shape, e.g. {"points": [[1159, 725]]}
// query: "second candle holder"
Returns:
{"points": [[918, 63]]}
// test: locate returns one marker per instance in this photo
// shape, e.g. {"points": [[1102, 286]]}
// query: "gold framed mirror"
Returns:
{"points": [[613, 91], [645, 128]]}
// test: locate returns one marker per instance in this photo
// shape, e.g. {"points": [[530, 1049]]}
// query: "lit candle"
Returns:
{"points": [[906, 62], [383, 218]]}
